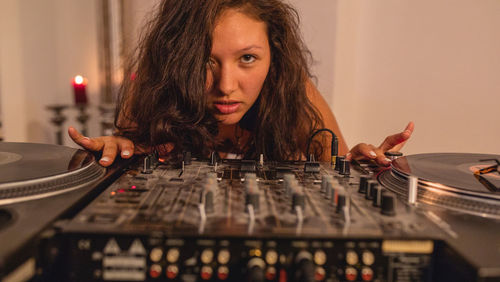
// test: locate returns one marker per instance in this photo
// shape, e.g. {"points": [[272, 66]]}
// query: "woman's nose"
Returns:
{"points": [[227, 83]]}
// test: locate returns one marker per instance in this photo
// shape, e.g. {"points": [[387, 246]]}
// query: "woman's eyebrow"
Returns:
{"points": [[251, 47]]}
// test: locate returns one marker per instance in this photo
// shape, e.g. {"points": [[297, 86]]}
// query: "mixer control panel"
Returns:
{"points": [[275, 221]]}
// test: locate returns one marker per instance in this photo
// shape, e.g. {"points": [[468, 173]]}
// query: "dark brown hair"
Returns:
{"points": [[166, 100]]}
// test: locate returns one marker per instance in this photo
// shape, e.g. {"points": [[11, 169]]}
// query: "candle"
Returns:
{"points": [[79, 83]]}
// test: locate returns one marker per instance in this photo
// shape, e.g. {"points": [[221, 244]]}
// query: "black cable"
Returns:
{"points": [[334, 147]]}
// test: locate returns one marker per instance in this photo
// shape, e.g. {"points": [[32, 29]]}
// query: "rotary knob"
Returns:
{"points": [[337, 162], [147, 165], [289, 181], [341, 202], [255, 269], [325, 181], [372, 184], [363, 183], [214, 158], [304, 267], [344, 167], [298, 199], [388, 204], [187, 158], [377, 196]]}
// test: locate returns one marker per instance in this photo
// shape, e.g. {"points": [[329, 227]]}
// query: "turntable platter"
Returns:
{"points": [[450, 169], [31, 171], [22, 161], [468, 183]]}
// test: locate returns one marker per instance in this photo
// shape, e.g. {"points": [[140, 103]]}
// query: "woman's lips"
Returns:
{"points": [[227, 107]]}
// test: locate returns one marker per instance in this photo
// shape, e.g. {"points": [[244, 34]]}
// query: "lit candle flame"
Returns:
{"points": [[79, 79]]}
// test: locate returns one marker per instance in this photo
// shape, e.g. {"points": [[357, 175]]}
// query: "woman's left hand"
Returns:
{"points": [[391, 143]]}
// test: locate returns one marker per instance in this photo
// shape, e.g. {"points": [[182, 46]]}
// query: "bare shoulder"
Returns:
{"points": [[326, 114]]}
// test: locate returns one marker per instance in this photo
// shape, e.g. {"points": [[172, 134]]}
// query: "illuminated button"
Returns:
{"points": [[206, 272], [319, 274], [351, 273], [173, 255], [223, 256], [156, 254], [319, 257], [366, 274], [155, 271], [270, 273], [207, 256], [172, 271], [255, 253], [271, 257], [368, 258], [351, 258], [223, 272]]}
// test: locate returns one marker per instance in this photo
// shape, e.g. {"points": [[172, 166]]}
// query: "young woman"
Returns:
{"points": [[230, 76]]}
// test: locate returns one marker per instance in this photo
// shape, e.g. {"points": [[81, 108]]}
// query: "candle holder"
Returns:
{"points": [[58, 120], [82, 117], [107, 114]]}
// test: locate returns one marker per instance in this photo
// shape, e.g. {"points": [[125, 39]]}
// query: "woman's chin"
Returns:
{"points": [[228, 119]]}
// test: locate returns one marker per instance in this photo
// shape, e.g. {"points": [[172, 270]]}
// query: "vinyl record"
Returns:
{"points": [[26, 161], [31, 171], [456, 170]]}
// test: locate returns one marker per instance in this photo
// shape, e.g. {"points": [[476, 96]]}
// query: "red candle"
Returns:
{"points": [[79, 83]]}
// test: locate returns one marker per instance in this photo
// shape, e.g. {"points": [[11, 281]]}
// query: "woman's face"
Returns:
{"points": [[240, 61]]}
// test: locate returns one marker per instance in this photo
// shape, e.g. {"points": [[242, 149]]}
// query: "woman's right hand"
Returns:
{"points": [[109, 145]]}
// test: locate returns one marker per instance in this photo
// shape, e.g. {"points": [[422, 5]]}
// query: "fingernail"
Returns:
{"points": [[348, 155], [372, 153], [105, 159], [387, 160], [86, 139], [126, 153]]}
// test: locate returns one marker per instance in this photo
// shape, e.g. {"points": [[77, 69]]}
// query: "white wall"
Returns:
{"points": [[318, 30], [43, 45], [434, 62]]}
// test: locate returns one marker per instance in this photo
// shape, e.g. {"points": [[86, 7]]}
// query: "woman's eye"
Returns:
{"points": [[247, 59]]}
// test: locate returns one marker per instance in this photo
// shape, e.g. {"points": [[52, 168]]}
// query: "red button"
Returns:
{"points": [[319, 274], [367, 274], [206, 272], [270, 273], [155, 271], [351, 274], [223, 273], [172, 271]]}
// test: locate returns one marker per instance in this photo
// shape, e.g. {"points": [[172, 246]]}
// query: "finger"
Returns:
{"points": [[126, 147], [381, 158], [94, 144], [408, 128], [348, 156], [391, 141], [108, 152], [76, 136], [363, 151]]}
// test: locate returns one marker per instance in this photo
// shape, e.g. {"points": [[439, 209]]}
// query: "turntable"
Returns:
{"points": [[40, 183]]}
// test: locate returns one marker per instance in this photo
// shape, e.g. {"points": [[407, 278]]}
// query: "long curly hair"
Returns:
{"points": [[164, 99]]}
